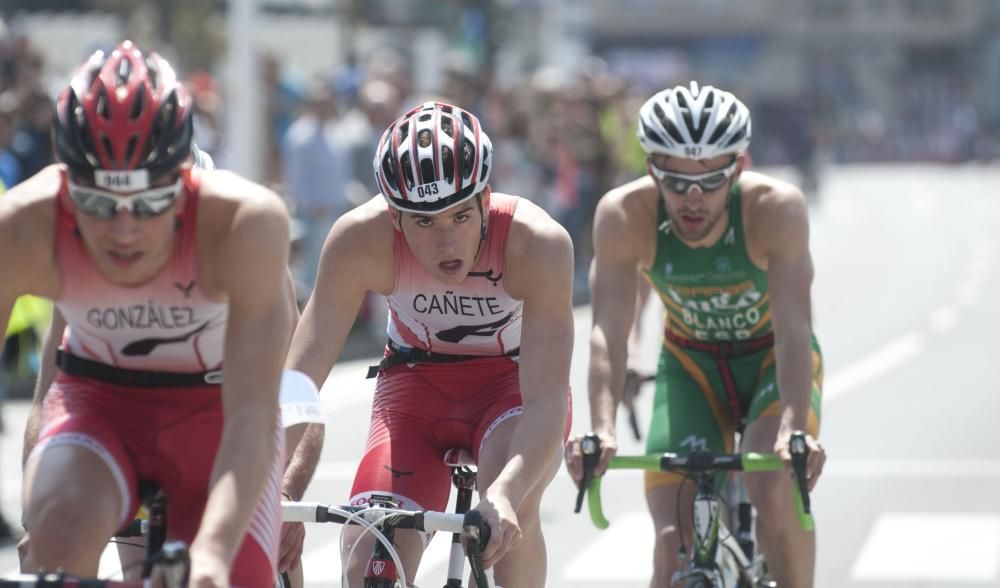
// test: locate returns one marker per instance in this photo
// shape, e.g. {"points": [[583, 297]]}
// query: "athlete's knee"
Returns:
{"points": [[769, 492]]}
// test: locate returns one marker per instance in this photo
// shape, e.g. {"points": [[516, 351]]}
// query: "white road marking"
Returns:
{"points": [[603, 559], [944, 319], [930, 548], [321, 563], [879, 363], [433, 564], [950, 469]]}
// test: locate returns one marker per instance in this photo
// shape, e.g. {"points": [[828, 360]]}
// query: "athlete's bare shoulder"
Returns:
{"points": [[27, 230], [776, 214], [625, 221], [533, 232], [538, 248], [236, 214], [224, 193], [360, 247], [766, 192]]}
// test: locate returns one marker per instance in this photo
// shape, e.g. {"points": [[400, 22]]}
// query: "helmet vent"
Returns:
{"points": [[138, 103], [468, 158], [389, 170], [448, 163], [124, 69], [667, 124], [424, 138], [426, 169], [102, 105], [447, 126], [406, 162], [130, 149], [106, 143], [486, 167], [424, 117], [404, 131]]}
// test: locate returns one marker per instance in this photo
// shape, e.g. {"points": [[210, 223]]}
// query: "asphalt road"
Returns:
{"points": [[905, 260]]}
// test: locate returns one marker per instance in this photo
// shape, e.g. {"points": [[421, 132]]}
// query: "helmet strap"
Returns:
{"points": [[482, 225]]}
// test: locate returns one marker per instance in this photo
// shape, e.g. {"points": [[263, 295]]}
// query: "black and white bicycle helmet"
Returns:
{"points": [[694, 122], [433, 157]]}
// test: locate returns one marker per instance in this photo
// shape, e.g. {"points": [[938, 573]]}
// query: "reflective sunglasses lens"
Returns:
{"points": [[95, 205], [713, 182], [144, 208], [677, 185]]}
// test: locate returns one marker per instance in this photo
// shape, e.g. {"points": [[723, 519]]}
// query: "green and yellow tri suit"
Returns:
{"points": [[716, 370]]}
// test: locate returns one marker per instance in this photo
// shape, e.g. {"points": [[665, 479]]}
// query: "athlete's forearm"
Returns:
{"points": [[246, 456], [304, 460], [794, 361], [537, 439], [607, 365]]}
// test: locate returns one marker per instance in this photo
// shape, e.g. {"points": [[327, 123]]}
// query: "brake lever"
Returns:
{"points": [[590, 447], [799, 449]]}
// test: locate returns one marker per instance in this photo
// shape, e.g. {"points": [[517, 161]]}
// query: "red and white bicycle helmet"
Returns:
{"points": [[694, 122], [123, 112], [431, 158]]}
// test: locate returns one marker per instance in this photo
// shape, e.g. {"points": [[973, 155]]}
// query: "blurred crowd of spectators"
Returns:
{"points": [[560, 140], [25, 112]]}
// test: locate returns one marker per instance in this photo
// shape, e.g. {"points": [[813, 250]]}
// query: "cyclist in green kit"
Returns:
{"points": [[727, 251]]}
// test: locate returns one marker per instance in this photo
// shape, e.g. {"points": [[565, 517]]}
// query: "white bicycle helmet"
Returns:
{"points": [[416, 167], [694, 123]]}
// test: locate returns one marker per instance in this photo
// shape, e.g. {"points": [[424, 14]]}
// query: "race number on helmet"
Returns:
{"points": [[694, 122], [431, 158]]}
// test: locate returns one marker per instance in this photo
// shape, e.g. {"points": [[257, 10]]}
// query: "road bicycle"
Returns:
{"points": [[382, 519], [171, 560], [717, 558]]}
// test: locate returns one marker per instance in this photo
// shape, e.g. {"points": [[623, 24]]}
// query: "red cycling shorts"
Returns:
{"points": [[419, 412], [168, 436]]}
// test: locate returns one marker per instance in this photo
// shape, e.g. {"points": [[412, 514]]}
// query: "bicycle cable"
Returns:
{"points": [[379, 536]]}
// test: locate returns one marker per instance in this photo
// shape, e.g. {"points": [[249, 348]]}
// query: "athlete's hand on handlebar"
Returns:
{"points": [[505, 531], [574, 455], [814, 454]]}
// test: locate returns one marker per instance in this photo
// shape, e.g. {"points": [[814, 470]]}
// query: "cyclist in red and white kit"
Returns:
{"points": [[479, 286], [170, 363]]}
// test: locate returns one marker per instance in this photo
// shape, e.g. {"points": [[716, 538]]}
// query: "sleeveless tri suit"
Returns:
{"points": [[139, 385], [717, 367]]}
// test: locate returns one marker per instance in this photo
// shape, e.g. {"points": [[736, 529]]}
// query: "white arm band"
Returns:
{"points": [[299, 400]]}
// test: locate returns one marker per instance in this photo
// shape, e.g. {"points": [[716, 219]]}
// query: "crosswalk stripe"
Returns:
{"points": [[621, 552], [931, 547]]}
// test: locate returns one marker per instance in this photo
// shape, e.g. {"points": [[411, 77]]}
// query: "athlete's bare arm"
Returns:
{"points": [[357, 257], [248, 264], [46, 373], [540, 272], [624, 238], [779, 222]]}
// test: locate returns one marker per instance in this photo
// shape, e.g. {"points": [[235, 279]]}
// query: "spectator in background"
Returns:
{"points": [[32, 141], [378, 105], [10, 167], [317, 171], [281, 101]]}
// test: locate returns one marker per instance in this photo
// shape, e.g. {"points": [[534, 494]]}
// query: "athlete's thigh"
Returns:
{"points": [[765, 406], [687, 412], [80, 459], [402, 461]]}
